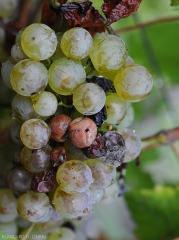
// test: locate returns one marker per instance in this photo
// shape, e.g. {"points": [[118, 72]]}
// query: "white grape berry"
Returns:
{"points": [[74, 176], [38, 41], [109, 53], [8, 205], [89, 98], [34, 133], [133, 144], [65, 75], [6, 69], [32, 206], [15, 132], [45, 103], [22, 108], [128, 119], [17, 53], [73, 205], [103, 174], [133, 83], [29, 77], [116, 109], [7, 8], [76, 43]]}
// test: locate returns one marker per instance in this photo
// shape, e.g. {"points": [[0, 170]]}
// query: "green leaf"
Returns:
{"points": [[155, 212], [174, 2]]}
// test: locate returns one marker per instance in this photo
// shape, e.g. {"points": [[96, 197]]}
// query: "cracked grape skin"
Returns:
{"points": [[133, 83], [29, 77], [76, 43], [65, 75], [89, 98], [74, 176], [109, 53], [34, 133], [38, 41]]}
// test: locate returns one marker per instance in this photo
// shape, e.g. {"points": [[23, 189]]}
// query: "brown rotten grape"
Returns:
{"points": [[82, 132], [58, 126]]}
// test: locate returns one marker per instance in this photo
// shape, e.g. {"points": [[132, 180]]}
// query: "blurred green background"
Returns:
{"points": [[149, 209]]}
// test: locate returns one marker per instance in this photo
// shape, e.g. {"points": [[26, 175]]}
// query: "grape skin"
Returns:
{"points": [[116, 109], [65, 75], [89, 98], [74, 176], [133, 144], [22, 108], [45, 104], [76, 43], [103, 174], [38, 41], [73, 205], [109, 53], [29, 77], [34, 133], [8, 205], [133, 83], [32, 206]]}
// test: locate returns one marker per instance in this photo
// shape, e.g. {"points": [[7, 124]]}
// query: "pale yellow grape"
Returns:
{"points": [[38, 41], [110, 193], [17, 53], [45, 104], [132, 142], [22, 108], [8, 205], [133, 83], [73, 205], [129, 61], [97, 194], [116, 109], [129, 117], [103, 174], [74, 176], [7, 7], [58, 52], [109, 53], [76, 43], [65, 75], [89, 98], [6, 69], [15, 132], [34, 133], [64, 234], [29, 77], [18, 36], [32, 206]]}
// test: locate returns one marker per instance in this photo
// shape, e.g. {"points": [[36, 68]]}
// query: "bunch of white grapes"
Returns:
{"points": [[44, 67]]}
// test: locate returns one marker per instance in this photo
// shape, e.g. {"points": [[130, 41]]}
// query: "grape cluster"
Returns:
{"points": [[69, 152]]}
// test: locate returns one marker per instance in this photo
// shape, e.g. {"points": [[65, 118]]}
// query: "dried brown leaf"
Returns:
{"points": [[117, 9]]}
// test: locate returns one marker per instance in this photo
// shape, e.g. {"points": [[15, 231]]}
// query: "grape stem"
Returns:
{"points": [[163, 137], [26, 235], [65, 105], [147, 24]]}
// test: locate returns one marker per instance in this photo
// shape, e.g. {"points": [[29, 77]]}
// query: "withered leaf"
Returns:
{"points": [[83, 15], [117, 9]]}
